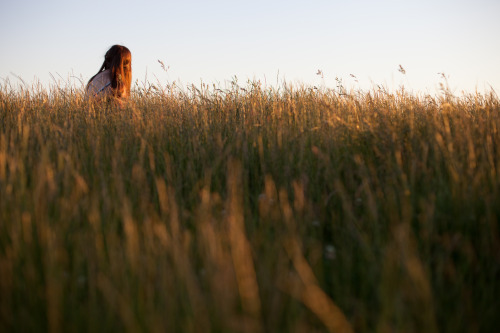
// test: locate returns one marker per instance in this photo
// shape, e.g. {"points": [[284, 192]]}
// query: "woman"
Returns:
{"points": [[115, 76]]}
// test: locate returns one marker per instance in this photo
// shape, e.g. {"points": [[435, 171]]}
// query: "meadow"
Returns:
{"points": [[249, 209]]}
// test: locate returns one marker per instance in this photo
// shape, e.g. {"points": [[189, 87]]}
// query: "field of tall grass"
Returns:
{"points": [[249, 209]]}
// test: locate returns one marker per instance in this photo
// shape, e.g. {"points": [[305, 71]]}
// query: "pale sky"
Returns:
{"points": [[271, 41]]}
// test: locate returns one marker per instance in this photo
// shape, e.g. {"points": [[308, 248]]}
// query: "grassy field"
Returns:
{"points": [[249, 209]]}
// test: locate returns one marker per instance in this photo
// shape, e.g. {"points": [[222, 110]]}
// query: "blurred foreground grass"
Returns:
{"points": [[249, 210]]}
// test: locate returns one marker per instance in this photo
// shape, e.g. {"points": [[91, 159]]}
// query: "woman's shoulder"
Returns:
{"points": [[103, 77], [99, 82]]}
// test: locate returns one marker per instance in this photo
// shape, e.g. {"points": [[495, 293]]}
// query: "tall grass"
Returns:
{"points": [[249, 209]]}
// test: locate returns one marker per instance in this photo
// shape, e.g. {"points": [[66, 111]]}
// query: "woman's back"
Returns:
{"points": [[100, 85]]}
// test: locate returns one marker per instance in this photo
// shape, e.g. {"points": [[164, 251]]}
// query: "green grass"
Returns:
{"points": [[250, 209]]}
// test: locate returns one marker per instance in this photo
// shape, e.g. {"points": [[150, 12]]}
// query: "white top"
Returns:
{"points": [[100, 84]]}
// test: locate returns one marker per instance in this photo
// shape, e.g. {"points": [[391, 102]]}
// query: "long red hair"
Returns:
{"points": [[119, 60]]}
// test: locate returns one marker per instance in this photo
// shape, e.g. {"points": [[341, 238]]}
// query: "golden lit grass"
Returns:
{"points": [[249, 209]]}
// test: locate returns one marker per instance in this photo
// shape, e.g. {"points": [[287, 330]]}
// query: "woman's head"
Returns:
{"points": [[118, 60]]}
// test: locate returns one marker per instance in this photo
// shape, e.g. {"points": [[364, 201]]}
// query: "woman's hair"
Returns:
{"points": [[119, 60]]}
